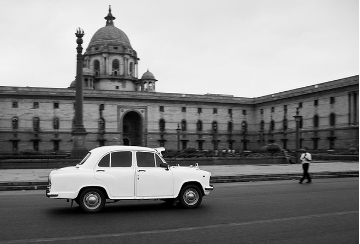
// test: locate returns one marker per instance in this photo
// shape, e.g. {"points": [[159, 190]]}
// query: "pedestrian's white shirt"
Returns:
{"points": [[305, 158]]}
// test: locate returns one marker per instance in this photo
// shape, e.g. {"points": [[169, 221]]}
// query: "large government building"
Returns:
{"points": [[120, 107]]}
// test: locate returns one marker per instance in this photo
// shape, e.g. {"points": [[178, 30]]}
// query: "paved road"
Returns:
{"points": [[253, 212]]}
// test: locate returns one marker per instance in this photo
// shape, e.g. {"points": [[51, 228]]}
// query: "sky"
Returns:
{"points": [[244, 48]]}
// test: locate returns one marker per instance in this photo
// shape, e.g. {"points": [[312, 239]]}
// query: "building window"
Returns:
{"points": [[230, 126], [200, 145], [36, 124], [115, 67], [161, 108], [244, 127], [231, 145], [183, 109], [15, 146], [230, 111], [285, 124], [316, 102], [15, 104], [131, 68], [36, 145], [301, 122], [56, 146], [214, 126], [183, 125], [244, 144], [199, 110], [15, 123], [332, 100], [262, 125], [117, 87], [316, 121], [101, 124], [284, 144], [56, 105], [56, 123], [300, 105], [199, 125], [162, 125], [184, 145], [332, 143], [272, 125], [96, 67], [214, 110], [332, 119], [315, 144], [35, 105]]}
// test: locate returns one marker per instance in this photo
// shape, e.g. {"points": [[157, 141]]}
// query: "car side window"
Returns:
{"points": [[121, 159], [145, 159], [105, 161], [158, 160]]}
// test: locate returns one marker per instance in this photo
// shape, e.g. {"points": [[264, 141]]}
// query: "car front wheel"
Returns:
{"points": [[190, 196], [92, 200]]}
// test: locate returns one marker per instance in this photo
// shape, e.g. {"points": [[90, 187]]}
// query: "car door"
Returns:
{"points": [[151, 179], [117, 171]]}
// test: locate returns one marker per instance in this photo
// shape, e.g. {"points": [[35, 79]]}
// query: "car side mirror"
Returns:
{"points": [[164, 165]]}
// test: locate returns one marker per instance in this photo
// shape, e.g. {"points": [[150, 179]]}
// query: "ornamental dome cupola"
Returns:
{"points": [[109, 35], [110, 59], [147, 82]]}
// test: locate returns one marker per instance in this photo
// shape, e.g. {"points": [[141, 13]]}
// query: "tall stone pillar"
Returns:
{"points": [[79, 133]]}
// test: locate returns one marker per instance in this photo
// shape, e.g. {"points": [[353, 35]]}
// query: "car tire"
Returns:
{"points": [[92, 200], [190, 196]]}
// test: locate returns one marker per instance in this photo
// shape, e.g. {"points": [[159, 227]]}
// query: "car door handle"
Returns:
{"points": [[100, 170], [141, 170]]}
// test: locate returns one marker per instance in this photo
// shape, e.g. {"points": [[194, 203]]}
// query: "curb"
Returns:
{"points": [[42, 185], [274, 177]]}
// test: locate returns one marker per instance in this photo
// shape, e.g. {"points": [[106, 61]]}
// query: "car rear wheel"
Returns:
{"points": [[190, 196], [92, 200]]}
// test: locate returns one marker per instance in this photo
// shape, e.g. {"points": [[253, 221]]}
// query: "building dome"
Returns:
{"points": [[73, 84], [110, 35], [148, 76]]}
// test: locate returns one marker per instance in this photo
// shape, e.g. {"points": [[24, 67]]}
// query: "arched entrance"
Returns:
{"points": [[132, 129]]}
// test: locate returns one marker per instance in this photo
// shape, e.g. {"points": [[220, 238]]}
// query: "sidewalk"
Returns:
{"points": [[36, 179]]}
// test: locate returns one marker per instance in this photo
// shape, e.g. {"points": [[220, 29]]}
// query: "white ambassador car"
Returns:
{"points": [[112, 173]]}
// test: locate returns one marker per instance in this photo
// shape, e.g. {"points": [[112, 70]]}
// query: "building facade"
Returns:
{"points": [[120, 108]]}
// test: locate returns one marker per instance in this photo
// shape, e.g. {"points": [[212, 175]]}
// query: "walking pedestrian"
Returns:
{"points": [[305, 161]]}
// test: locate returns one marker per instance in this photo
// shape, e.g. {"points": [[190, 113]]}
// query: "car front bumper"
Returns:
{"points": [[208, 189]]}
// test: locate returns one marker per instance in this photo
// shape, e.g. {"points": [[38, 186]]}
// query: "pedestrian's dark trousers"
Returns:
{"points": [[306, 174]]}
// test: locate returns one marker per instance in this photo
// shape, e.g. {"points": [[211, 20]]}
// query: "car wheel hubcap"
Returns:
{"points": [[92, 200], [191, 197]]}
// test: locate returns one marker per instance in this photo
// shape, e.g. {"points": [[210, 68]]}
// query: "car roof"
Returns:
{"points": [[104, 149]]}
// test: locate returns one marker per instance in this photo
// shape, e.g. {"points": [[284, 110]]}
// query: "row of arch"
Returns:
{"points": [[183, 124], [35, 122], [316, 122], [115, 67], [55, 122]]}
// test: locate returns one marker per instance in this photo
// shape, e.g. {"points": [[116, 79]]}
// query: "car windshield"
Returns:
{"points": [[85, 158]]}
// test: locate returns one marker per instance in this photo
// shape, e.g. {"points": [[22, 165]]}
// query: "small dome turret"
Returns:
{"points": [[147, 82]]}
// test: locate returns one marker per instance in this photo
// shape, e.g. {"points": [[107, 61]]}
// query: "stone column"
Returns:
{"points": [[79, 133]]}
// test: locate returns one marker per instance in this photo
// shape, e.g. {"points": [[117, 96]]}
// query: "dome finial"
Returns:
{"points": [[109, 18]]}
